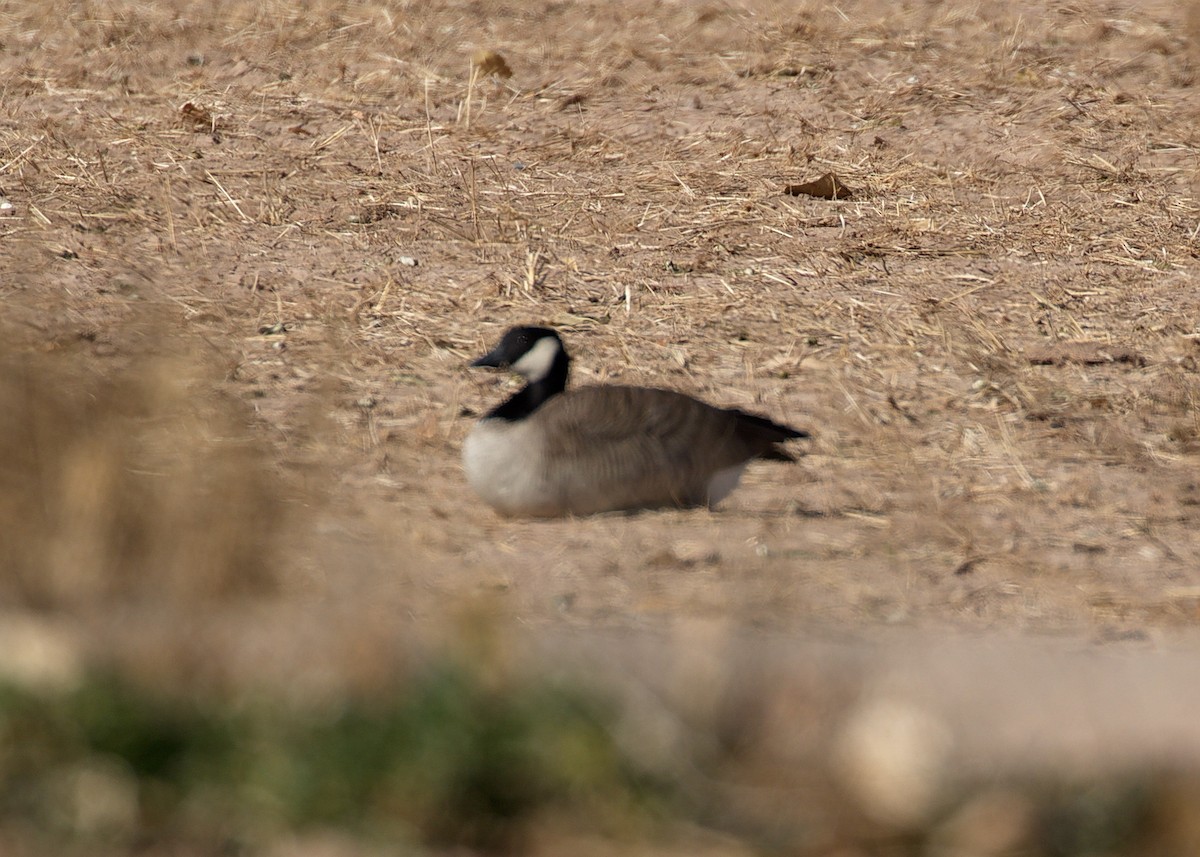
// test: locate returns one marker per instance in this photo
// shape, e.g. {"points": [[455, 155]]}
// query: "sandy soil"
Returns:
{"points": [[1023, 183], [994, 340]]}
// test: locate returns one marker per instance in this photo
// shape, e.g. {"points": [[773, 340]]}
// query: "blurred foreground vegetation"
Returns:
{"points": [[444, 762], [450, 763]]}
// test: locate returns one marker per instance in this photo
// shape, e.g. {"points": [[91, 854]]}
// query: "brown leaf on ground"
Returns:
{"points": [[197, 116], [487, 62], [828, 186], [1087, 353]]}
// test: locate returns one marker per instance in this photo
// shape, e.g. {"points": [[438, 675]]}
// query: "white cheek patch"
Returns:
{"points": [[535, 364]]}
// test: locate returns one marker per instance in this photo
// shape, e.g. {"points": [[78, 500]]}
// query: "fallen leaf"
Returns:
{"points": [[827, 186], [372, 213], [197, 115], [488, 62]]}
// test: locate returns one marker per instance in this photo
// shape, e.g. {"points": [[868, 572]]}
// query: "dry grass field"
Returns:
{"points": [[250, 247]]}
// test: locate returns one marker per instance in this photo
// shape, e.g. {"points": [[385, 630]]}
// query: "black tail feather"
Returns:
{"points": [[765, 436]]}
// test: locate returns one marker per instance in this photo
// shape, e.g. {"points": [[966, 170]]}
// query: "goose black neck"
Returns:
{"points": [[536, 393]]}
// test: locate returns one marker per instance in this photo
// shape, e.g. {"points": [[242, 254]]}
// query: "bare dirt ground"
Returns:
{"points": [[994, 340]]}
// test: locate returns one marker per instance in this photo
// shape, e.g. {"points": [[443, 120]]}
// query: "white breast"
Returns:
{"points": [[723, 482], [504, 464]]}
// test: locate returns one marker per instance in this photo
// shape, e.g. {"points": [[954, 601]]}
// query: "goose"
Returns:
{"points": [[549, 452]]}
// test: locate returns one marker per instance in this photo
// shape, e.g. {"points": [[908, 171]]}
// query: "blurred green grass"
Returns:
{"points": [[445, 761]]}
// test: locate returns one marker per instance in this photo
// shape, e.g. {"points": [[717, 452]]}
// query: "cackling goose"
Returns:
{"points": [[546, 452]]}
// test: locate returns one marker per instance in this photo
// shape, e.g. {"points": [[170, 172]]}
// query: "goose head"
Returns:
{"points": [[537, 355], [532, 352]]}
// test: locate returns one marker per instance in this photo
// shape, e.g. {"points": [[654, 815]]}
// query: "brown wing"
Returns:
{"points": [[648, 446]]}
